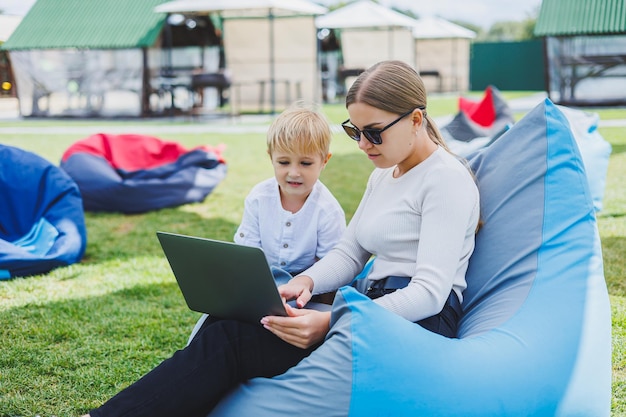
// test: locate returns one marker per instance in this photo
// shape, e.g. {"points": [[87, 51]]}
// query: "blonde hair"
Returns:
{"points": [[300, 129], [394, 86]]}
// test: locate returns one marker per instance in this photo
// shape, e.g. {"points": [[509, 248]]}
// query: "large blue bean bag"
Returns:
{"points": [[132, 173], [595, 150], [42, 225], [535, 338]]}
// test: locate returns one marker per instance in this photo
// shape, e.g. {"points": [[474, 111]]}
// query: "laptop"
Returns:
{"points": [[224, 279]]}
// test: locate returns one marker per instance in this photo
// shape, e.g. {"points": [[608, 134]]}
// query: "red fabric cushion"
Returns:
{"points": [[482, 112], [129, 152]]}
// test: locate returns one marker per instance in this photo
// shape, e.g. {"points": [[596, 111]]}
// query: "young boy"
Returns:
{"points": [[292, 216]]}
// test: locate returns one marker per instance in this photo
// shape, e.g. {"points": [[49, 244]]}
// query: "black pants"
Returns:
{"points": [[445, 323], [223, 354]]}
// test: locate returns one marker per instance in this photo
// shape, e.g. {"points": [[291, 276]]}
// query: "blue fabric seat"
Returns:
{"points": [[535, 336], [42, 225]]}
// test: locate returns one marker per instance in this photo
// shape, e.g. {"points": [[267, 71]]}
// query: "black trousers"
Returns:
{"points": [[223, 354], [445, 323]]}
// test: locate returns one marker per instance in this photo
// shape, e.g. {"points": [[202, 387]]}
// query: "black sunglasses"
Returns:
{"points": [[373, 135]]}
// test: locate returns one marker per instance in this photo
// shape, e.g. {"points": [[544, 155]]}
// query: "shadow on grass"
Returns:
{"points": [[611, 215], [119, 236]]}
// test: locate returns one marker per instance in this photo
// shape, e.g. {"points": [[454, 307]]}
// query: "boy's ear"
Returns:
{"points": [[327, 158]]}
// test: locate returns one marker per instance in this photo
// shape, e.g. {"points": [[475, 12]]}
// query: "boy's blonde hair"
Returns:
{"points": [[300, 129]]}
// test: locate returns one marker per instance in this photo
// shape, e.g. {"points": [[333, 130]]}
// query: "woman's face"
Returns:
{"points": [[399, 141]]}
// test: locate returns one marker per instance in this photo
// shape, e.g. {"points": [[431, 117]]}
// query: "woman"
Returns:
{"points": [[418, 217]]}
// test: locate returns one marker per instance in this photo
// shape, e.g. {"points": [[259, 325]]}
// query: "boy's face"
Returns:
{"points": [[297, 173]]}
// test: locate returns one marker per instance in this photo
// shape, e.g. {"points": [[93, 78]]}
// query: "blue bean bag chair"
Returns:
{"points": [[595, 150], [42, 225], [535, 337], [137, 173]]}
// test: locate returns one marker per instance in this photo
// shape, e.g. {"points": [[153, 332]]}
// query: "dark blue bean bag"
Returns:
{"points": [[535, 336], [488, 117], [42, 225], [137, 173]]}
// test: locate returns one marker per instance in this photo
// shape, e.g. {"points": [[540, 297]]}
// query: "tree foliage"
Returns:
{"points": [[510, 31]]}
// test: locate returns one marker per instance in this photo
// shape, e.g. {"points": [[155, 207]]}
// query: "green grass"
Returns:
{"points": [[74, 337], [612, 227]]}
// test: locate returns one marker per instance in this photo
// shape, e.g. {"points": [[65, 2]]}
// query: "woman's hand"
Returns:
{"points": [[298, 288], [302, 328]]}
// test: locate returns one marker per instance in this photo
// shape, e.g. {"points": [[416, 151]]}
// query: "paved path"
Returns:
{"points": [[226, 124]]}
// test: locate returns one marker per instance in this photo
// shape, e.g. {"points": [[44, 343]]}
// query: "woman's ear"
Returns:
{"points": [[418, 118]]}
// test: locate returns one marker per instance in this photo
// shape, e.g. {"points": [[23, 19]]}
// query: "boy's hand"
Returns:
{"points": [[298, 288]]}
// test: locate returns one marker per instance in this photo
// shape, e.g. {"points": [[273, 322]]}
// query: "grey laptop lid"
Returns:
{"points": [[222, 279]]}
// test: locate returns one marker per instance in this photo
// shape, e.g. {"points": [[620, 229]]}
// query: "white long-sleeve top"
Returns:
{"points": [[291, 241], [420, 225]]}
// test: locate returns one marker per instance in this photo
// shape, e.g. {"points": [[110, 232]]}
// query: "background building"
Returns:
{"points": [[585, 44]]}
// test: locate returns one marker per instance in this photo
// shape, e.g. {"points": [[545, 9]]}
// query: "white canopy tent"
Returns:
{"points": [[437, 48], [437, 28], [371, 33], [442, 48], [266, 42]]}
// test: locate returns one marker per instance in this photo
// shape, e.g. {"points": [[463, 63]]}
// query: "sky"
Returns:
{"points": [[479, 12]]}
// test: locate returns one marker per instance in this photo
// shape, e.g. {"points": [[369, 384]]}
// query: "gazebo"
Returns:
{"points": [[442, 54], [88, 58], [270, 47], [124, 58], [585, 46], [370, 33]]}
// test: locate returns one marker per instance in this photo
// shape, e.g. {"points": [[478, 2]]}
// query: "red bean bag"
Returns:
{"points": [[132, 173]]}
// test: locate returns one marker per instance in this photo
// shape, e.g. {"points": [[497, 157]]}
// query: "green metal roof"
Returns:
{"points": [[95, 24], [581, 17]]}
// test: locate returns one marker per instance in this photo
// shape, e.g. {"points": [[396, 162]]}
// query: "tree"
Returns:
{"points": [[509, 31], [513, 30], [528, 28]]}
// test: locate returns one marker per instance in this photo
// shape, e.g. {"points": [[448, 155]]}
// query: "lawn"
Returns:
{"points": [[75, 336]]}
